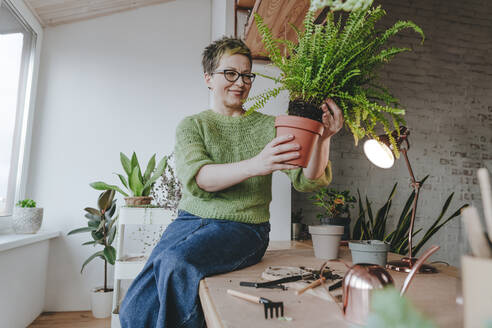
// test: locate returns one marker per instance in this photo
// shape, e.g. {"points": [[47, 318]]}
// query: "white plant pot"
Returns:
{"points": [[326, 240], [27, 219], [101, 302]]}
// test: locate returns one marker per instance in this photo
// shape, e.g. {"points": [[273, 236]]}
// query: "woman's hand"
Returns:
{"points": [[332, 122], [273, 156]]}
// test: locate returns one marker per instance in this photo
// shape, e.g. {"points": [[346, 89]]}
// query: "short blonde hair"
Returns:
{"points": [[225, 46]]}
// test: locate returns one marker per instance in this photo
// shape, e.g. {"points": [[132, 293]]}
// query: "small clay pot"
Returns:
{"points": [[306, 133], [137, 201]]}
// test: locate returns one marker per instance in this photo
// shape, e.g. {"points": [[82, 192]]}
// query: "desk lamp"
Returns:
{"points": [[380, 154]]}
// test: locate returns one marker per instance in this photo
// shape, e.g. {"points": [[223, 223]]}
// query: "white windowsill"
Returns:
{"points": [[9, 241]]}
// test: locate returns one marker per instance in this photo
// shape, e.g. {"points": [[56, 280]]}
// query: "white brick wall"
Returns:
{"points": [[446, 87]]}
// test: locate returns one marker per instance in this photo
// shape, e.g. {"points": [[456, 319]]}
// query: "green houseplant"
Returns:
{"points": [[101, 225], [326, 237], [138, 185], [335, 205], [27, 218], [338, 60], [372, 226]]}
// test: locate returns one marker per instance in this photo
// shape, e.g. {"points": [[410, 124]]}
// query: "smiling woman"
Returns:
{"points": [[224, 161]]}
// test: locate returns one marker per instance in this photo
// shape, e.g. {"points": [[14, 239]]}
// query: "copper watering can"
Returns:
{"points": [[362, 279]]}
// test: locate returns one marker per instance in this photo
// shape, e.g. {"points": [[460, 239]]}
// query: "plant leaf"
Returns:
{"points": [[92, 216], [93, 256], [112, 234], [123, 180], [105, 200], [125, 162], [110, 254], [79, 230], [99, 185], [135, 182], [135, 163], [158, 172], [93, 211], [150, 168]]}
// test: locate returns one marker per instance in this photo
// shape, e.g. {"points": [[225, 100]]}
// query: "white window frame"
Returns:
{"points": [[25, 105]]}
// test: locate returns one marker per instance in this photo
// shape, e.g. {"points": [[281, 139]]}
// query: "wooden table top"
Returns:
{"points": [[433, 294]]}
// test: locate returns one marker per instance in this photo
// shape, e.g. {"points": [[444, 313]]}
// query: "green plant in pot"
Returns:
{"points": [[371, 225], [337, 60], [335, 205], [138, 185], [27, 218], [326, 237], [101, 225]]}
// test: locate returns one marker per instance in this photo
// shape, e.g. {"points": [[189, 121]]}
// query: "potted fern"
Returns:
{"points": [[101, 225], [338, 61], [139, 185]]}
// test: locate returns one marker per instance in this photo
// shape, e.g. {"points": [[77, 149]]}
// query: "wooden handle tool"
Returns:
{"points": [[314, 284], [268, 305], [244, 296]]}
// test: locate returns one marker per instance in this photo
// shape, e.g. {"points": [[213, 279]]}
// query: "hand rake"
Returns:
{"points": [[269, 306]]}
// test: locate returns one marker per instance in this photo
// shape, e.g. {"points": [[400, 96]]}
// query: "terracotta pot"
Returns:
{"points": [[306, 133], [136, 201]]}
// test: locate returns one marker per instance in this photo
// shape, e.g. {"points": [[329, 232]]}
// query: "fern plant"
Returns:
{"points": [[338, 60]]}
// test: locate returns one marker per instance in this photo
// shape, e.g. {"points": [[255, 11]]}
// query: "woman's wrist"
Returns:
{"points": [[249, 167]]}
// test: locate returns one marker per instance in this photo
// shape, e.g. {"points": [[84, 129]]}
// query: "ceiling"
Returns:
{"points": [[55, 12]]}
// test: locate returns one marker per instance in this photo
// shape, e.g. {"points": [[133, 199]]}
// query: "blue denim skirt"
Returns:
{"points": [[165, 293]]}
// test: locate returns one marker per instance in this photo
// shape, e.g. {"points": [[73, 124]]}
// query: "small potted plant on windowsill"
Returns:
{"points": [[337, 61], [139, 185], [101, 225], [27, 218]]}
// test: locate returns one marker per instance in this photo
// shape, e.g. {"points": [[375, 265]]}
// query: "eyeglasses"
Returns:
{"points": [[232, 76]]}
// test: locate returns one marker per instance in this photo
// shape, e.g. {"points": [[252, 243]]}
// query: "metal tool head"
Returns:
{"points": [[270, 306]]}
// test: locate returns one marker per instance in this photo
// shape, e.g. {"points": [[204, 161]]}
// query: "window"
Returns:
{"points": [[17, 50]]}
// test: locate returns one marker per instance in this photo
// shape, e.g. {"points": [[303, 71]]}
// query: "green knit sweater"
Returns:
{"points": [[212, 138]]}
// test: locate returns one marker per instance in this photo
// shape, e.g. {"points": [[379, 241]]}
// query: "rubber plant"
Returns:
{"points": [[138, 185], [101, 225], [372, 225], [337, 60]]}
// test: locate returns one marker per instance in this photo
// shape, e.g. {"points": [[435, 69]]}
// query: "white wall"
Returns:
{"points": [[110, 84], [22, 283]]}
